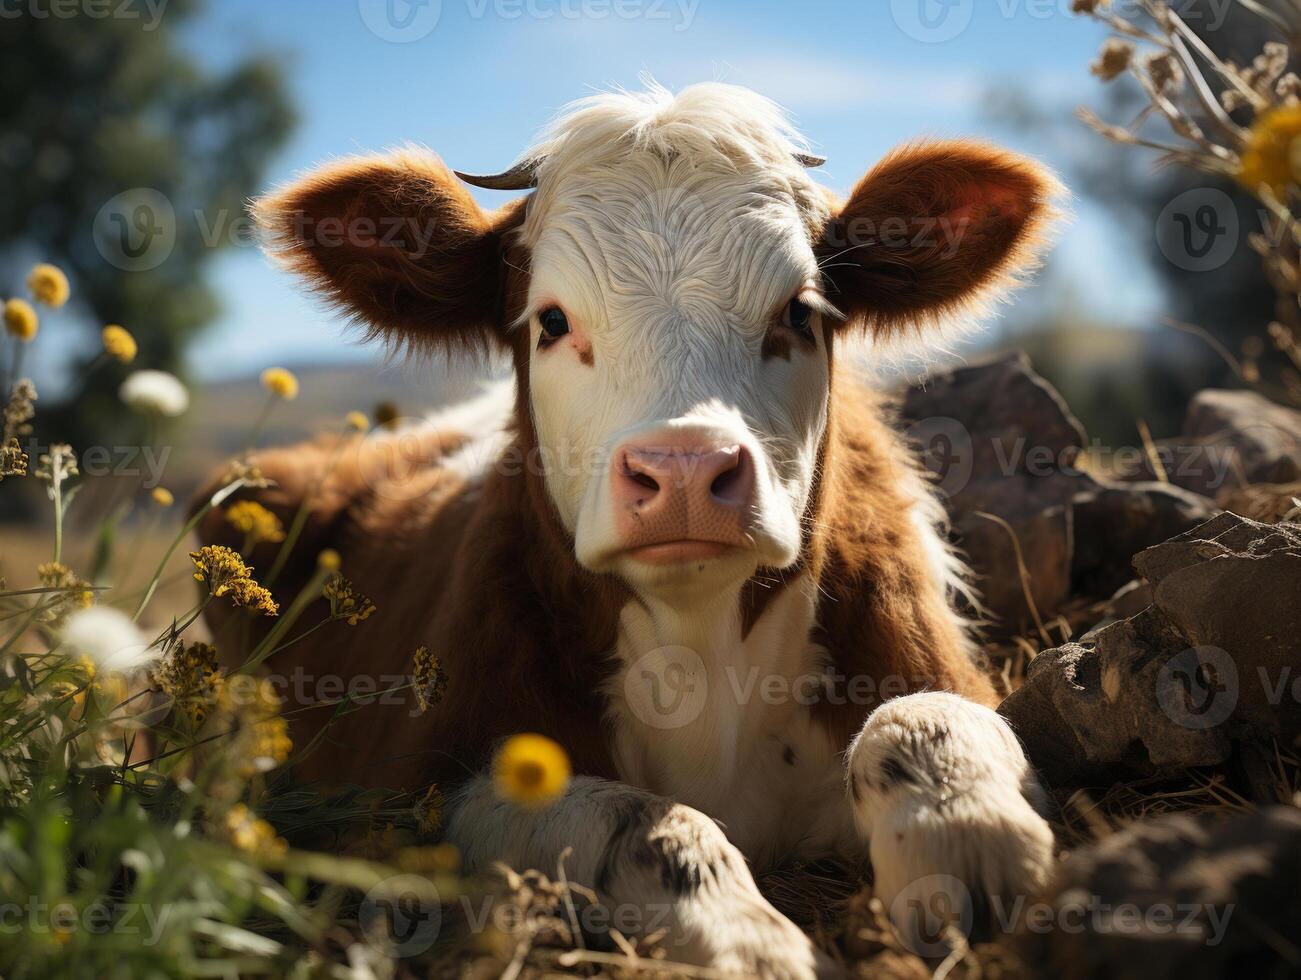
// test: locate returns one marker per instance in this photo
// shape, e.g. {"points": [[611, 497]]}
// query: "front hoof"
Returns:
{"points": [[952, 813]]}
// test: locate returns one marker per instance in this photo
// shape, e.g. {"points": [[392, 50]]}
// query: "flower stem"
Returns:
{"points": [[310, 593], [304, 511], [190, 525], [261, 423], [56, 490]]}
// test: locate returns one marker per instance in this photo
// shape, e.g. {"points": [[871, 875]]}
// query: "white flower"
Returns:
{"points": [[109, 638], [155, 391]]}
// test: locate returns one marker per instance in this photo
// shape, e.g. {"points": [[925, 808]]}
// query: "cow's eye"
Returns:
{"points": [[554, 323], [799, 317]]}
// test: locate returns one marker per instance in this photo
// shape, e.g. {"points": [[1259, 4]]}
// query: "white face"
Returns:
{"points": [[678, 393]]}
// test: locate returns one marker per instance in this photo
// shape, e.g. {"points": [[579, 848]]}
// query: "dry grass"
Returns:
{"points": [[1268, 502], [832, 902], [141, 548]]}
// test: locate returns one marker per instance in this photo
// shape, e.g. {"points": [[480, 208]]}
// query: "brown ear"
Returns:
{"points": [[936, 231], [398, 242]]}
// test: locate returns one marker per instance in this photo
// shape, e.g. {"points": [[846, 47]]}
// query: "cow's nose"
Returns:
{"points": [[674, 493]]}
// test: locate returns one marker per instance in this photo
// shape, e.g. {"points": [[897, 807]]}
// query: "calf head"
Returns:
{"points": [[672, 290]]}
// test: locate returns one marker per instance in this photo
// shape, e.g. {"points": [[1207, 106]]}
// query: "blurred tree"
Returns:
{"points": [[128, 165], [1213, 280]]}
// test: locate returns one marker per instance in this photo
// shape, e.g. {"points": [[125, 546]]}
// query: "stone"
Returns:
{"points": [[1230, 440], [999, 441], [1115, 521], [1179, 896], [1002, 445], [1213, 662]]}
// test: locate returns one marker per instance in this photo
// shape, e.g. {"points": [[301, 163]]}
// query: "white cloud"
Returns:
{"points": [[816, 83]]}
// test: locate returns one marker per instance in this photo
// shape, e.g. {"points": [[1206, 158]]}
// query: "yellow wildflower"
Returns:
{"points": [[118, 343], [253, 698], [262, 740], [162, 497], [345, 602], [357, 421], [255, 521], [329, 560], [225, 573], [269, 745], [56, 575], [49, 285], [531, 770], [1272, 157], [427, 678], [251, 834], [20, 319], [190, 677], [280, 382]]}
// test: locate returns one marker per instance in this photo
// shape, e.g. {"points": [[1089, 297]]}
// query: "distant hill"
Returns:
{"points": [[222, 415]]}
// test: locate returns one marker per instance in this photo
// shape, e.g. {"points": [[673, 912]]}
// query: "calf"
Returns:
{"points": [[685, 542]]}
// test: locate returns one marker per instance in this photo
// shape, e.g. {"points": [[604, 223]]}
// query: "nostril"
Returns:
{"points": [[733, 485], [643, 479], [638, 470]]}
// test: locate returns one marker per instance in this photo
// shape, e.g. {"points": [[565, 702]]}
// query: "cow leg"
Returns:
{"points": [[952, 814], [650, 861]]}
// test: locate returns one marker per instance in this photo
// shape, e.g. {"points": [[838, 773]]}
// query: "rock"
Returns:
{"points": [[1265, 437], [1214, 661], [1001, 441], [1114, 522], [1231, 439], [1181, 896], [1006, 412], [1129, 600]]}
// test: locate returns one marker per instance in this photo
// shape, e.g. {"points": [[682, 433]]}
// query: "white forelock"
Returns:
{"points": [[712, 120]]}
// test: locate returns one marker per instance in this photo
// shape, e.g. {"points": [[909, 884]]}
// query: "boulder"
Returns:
{"points": [[1231, 439], [1115, 521], [1213, 662], [1180, 896], [1000, 441]]}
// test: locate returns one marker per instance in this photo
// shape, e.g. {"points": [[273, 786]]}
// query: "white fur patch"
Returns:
{"points": [[672, 232], [951, 810], [724, 723], [485, 421]]}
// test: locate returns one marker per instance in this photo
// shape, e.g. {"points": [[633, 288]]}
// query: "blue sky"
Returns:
{"points": [[476, 79]]}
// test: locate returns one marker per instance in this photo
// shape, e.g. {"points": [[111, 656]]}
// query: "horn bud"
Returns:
{"points": [[524, 175], [520, 177]]}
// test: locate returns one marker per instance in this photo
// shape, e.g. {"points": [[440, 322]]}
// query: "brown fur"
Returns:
{"points": [[488, 579], [397, 243], [888, 255]]}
